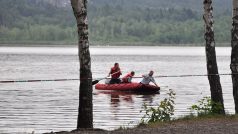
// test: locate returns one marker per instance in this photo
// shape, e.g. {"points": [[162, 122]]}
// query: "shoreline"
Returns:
{"points": [[207, 125], [71, 44]]}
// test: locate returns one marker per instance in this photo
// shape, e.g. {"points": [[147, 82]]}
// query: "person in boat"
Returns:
{"points": [[115, 73], [128, 77], [148, 78]]}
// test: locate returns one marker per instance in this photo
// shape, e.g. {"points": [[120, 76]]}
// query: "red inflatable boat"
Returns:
{"points": [[134, 87]]}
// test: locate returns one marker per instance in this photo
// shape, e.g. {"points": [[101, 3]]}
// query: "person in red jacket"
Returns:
{"points": [[128, 77], [115, 73]]}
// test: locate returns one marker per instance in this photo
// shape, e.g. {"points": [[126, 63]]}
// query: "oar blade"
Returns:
{"points": [[95, 82]]}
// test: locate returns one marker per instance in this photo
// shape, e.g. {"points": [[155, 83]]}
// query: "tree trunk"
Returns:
{"points": [[234, 53], [214, 80], [85, 114]]}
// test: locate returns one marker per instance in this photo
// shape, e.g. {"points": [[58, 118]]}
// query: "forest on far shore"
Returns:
{"points": [[30, 21]]}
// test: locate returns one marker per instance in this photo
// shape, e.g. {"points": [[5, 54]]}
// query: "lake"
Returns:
{"points": [[52, 106]]}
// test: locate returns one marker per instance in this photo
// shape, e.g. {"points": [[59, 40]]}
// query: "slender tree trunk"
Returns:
{"points": [[85, 114], [215, 85], [234, 53]]}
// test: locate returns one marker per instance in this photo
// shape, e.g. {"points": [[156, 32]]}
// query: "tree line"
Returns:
{"points": [[27, 21]]}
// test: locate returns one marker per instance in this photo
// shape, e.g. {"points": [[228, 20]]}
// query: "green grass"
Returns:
{"points": [[191, 118]]}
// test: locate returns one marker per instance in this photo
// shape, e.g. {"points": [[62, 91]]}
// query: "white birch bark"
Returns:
{"points": [[234, 53], [214, 80], [85, 114]]}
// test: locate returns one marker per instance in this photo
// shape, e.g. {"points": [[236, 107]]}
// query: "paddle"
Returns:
{"points": [[96, 81]]}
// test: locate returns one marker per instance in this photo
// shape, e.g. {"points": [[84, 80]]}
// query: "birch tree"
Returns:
{"points": [[234, 53], [85, 114], [214, 80]]}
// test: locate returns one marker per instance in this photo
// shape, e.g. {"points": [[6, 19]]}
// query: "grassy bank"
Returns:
{"points": [[208, 124], [193, 119]]}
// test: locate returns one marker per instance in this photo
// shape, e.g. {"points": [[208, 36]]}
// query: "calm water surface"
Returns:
{"points": [[52, 106]]}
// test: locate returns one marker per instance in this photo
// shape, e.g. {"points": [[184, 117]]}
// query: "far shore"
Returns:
{"points": [[74, 44]]}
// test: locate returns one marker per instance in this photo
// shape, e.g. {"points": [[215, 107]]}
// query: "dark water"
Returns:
{"points": [[52, 106]]}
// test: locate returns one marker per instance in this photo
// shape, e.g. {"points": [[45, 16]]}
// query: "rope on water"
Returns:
{"points": [[195, 75], [160, 76], [189, 75], [20, 81]]}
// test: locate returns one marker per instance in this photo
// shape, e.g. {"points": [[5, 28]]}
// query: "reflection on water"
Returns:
{"points": [[52, 106], [119, 96], [115, 99], [121, 108]]}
